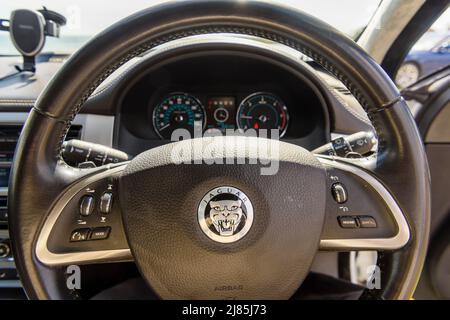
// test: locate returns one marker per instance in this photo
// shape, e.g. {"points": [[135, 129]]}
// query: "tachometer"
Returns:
{"points": [[263, 111], [178, 111]]}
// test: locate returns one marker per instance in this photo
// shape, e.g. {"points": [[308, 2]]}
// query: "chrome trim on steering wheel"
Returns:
{"points": [[49, 258], [396, 242]]}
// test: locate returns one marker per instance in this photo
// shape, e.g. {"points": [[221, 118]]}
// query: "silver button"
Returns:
{"points": [[339, 192], [87, 205], [106, 203], [367, 222]]}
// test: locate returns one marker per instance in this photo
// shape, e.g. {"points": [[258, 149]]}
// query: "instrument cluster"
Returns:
{"points": [[195, 96], [181, 110]]}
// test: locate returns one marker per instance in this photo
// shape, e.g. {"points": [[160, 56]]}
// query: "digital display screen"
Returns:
{"points": [[221, 113]]}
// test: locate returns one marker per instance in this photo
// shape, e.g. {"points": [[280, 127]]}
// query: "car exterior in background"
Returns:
{"points": [[421, 61]]}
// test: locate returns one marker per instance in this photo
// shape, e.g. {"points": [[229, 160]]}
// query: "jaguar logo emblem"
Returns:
{"points": [[225, 214]]}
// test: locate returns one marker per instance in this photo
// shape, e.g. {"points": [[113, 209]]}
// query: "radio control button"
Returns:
{"points": [[80, 235], [100, 233], [348, 222], [87, 204], [106, 202], [367, 222]]}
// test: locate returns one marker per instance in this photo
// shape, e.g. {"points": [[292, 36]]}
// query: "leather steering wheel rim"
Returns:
{"points": [[39, 174]]}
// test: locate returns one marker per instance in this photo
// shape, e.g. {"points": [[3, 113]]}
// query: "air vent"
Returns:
{"points": [[3, 212], [9, 136]]}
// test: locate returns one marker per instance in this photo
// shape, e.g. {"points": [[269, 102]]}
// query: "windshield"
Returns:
{"points": [[85, 18]]}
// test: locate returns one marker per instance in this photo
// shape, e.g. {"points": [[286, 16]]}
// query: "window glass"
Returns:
{"points": [[85, 18], [430, 54]]}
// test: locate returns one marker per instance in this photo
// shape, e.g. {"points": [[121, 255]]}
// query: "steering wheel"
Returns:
{"points": [[161, 208]]}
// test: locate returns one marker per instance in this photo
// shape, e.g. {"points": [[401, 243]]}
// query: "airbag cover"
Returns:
{"points": [[160, 200]]}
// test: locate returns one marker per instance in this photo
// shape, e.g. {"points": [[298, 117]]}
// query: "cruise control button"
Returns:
{"points": [[100, 233], [347, 222], [339, 192], [367, 222], [106, 203], [79, 235], [87, 205]]}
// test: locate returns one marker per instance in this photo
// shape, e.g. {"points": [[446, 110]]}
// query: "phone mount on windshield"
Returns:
{"points": [[28, 30]]}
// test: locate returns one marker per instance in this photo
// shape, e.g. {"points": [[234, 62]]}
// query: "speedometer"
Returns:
{"points": [[178, 111], [263, 111]]}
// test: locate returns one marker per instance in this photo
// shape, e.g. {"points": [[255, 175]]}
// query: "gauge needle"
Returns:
{"points": [[246, 117], [166, 126]]}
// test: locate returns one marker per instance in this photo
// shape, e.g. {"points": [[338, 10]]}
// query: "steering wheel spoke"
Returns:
{"points": [[361, 213], [85, 226]]}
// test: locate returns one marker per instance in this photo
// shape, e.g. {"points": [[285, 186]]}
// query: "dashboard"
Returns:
{"points": [[221, 94]]}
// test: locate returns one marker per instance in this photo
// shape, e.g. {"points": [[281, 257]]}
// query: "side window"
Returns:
{"points": [[445, 47], [429, 54]]}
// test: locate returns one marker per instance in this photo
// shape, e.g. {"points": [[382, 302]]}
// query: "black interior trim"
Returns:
{"points": [[430, 110]]}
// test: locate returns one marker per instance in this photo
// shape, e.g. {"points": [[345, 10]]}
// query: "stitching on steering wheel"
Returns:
{"points": [[386, 105], [261, 33]]}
